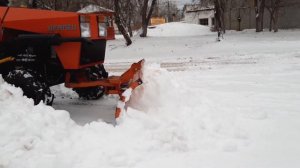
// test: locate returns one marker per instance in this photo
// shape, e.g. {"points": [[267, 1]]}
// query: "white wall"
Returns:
{"points": [[193, 17]]}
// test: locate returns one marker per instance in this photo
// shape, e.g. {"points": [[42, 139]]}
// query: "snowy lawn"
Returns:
{"points": [[233, 103]]}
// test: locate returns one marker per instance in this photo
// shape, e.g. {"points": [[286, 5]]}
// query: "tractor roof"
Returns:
{"points": [[95, 9]]}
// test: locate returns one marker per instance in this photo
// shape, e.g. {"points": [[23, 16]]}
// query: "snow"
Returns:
{"points": [[203, 103], [94, 9], [127, 93], [178, 29]]}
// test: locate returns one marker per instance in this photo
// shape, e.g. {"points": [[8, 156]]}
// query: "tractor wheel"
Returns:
{"points": [[31, 84], [90, 93], [93, 93]]}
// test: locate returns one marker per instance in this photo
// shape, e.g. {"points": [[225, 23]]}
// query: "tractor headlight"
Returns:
{"points": [[102, 29], [85, 27]]}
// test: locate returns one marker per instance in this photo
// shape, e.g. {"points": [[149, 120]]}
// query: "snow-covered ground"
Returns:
{"points": [[233, 103]]}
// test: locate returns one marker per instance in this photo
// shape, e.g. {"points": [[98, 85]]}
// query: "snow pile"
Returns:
{"points": [[28, 131], [178, 29], [181, 121], [233, 103], [36, 136]]}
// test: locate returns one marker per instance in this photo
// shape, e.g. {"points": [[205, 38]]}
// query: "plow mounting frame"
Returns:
{"points": [[126, 82]]}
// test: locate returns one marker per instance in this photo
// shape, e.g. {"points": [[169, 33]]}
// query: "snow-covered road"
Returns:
{"points": [[233, 103]]}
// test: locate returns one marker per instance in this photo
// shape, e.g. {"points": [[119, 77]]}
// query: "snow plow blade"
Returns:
{"points": [[121, 85]]}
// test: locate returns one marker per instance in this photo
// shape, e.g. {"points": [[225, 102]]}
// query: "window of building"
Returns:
{"points": [[203, 21]]}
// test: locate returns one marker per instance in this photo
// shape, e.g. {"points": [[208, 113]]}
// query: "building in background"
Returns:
{"points": [[240, 14], [199, 14], [157, 20]]}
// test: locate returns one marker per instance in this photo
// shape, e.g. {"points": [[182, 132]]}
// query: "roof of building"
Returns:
{"points": [[197, 7], [94, 9]]}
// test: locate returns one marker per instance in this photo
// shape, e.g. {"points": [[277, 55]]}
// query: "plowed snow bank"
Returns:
{"points": [[170, 124]]}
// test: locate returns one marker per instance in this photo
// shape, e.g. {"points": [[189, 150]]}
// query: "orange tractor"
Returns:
{"points": [[41, 48]]}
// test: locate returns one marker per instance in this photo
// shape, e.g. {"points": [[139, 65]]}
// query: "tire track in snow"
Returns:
{"points": [[182, 66]]}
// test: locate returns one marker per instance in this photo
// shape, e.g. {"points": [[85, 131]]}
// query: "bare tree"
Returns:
{"points": [[63, 5], [219, 14], [146, 13], [259, 14], [119, 23], [122, 15], [129, 14], [167, 9], [262, 13], [276, 14], [273, 9], [104, 3]]}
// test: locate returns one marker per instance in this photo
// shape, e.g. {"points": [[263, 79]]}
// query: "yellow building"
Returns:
{"points": [[157, 20]]}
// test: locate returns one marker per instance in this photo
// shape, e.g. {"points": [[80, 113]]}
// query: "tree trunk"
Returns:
{"points": [[144, 30], [219, 15], [271, 21], [129, 27], [129, 17], [276, 14], [119, 24], [257, 18], [222, 9], [261, 14], [151, 11], [146, 16]]}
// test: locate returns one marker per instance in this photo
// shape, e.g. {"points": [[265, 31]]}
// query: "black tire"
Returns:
{"points": [[90, 93], [31, 84], [93, 93]]}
